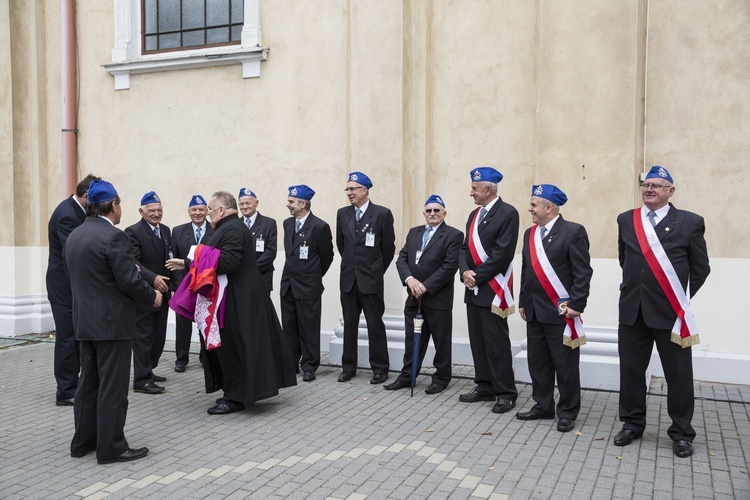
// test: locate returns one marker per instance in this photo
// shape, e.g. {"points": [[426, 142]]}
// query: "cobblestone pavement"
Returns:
{"points": [[353, 441]]}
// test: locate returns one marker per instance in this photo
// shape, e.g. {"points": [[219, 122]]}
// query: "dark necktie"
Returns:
{"points": [[248, 223], [198, 232], [157, 232], [482, 213]]}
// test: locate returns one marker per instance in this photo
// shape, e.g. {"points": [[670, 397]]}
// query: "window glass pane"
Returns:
{"points": [[191, 38], [151, 42], [192, 14], [236, 33], [170, 41], [149, 15], [217, 35], [217, 12], [169, 16], [238, 7]]}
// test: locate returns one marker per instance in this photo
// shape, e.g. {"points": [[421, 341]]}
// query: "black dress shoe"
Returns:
{"points": [[159, 378], [379, 378], [503, 406], [225, 407], [64, 402], [434, 389], [396, 385], [625, 437], [82, 452], [149, 388], [308, 376], [130, 454], [565, 425], [346, 376], [532, 415], [475, 396], [179, 368], [682, 448]]}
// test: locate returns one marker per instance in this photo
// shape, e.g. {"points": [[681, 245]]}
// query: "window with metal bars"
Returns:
{"points": [[189, 24]]}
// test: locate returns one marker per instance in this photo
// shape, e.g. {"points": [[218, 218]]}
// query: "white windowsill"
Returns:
{"points": [[250, 59]]}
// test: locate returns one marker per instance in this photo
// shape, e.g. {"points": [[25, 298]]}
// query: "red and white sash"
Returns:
{"points": [[574, 335], [684, 331], [501, 284]]}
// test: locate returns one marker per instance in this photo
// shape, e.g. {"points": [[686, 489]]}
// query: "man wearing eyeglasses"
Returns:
{"points": [[427, 267], [664, 262], [365, 240]]}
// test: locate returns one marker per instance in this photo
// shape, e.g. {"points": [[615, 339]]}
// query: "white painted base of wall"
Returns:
{"points": [[25, 314]]}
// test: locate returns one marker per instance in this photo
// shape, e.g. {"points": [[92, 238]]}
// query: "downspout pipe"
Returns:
{"points": [[69, 96]]}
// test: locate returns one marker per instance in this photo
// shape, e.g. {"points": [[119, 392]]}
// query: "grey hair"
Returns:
{"points": [[226, 199]]}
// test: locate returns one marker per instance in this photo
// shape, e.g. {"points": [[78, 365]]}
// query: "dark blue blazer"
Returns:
{"points": [[66, 217]]}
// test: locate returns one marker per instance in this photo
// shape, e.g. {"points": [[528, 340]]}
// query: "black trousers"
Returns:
{"points": [[438, 325], [490, 349], [300, 320], [635, 343], [67, 359], [183, 334], [373, 305], [101, 401], [548, 356], [148, 344]]}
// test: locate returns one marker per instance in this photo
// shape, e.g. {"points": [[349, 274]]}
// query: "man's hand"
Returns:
{"points": [[157, 300], [570, 313], [469, 280], [416, 287], [522, 313], [175, 264], [160, 283]]}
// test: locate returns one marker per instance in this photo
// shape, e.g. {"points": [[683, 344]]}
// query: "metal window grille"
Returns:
{"points": [[190, 24]]}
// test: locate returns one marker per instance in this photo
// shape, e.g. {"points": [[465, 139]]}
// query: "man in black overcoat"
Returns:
{"points": [[69, 214], [264, 233], [184, 237], [427, 266], [647, 316], [366, 241], [106, 285], [308, 245]]}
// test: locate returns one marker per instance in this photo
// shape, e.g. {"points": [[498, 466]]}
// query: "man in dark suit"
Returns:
{"points": [[427, 266], [263, 230], [486, 267], [555, 279], [68, 215], [184, 237], [659, 240], [366, 242], [308, 245], [152, 245], [106, 285]]}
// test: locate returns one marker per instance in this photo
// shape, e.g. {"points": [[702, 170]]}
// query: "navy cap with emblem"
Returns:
{"points": [[360, 179], [197, 200], [435, 199], [100, 192], [246, 192], [149, 198], [549, 192], [486, 174], [659, 172], [301, 192]]}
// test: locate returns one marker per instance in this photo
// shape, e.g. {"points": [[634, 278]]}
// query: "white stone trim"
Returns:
{"points": [[127, 58], [25, 314]]}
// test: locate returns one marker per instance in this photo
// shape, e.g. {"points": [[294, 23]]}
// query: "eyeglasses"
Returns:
{"points": [[654, 186], [432, 210], [350, 189]]}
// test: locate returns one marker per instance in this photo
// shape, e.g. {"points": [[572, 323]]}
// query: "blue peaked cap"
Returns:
{"points": [[486, 174], [101, 191], [246, 192], [150, 198], [197, 200], [361, 179], [435, 199], [302, 192], [659, 172], [549, 192]]}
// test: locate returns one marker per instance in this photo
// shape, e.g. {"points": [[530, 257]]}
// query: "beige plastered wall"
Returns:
{"points": [[582, 94]]}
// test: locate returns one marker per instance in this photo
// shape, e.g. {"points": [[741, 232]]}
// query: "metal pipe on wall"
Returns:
{"points": [[69, 96]]}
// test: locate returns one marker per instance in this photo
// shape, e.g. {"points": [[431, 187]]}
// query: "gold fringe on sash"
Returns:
{"points": [[573, 343], [687, 341], [503, 313]]}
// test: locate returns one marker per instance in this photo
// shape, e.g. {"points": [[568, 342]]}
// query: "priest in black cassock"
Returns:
{"points": [[253, 362]]}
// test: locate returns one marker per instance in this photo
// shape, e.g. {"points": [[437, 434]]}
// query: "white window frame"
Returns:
{"points": [[127, 56]]}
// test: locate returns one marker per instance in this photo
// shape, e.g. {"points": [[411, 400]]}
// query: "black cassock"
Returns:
{"points": [[253, 361]]}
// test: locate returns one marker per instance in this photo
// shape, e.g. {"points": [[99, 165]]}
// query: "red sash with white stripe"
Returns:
{"points": [[501, 284], [685, 330], [574, 335]]}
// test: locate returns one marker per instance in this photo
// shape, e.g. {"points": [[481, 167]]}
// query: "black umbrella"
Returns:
{"points": [[416, 346]]}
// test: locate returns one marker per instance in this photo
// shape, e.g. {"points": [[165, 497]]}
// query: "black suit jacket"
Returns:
{"points": [[105, 282], [365, 264], [151, 252], [66, 217], [681, 236], [498, 233], [265, 227], [305, 276], [437, 264], [183, 238], [567, 249]]}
